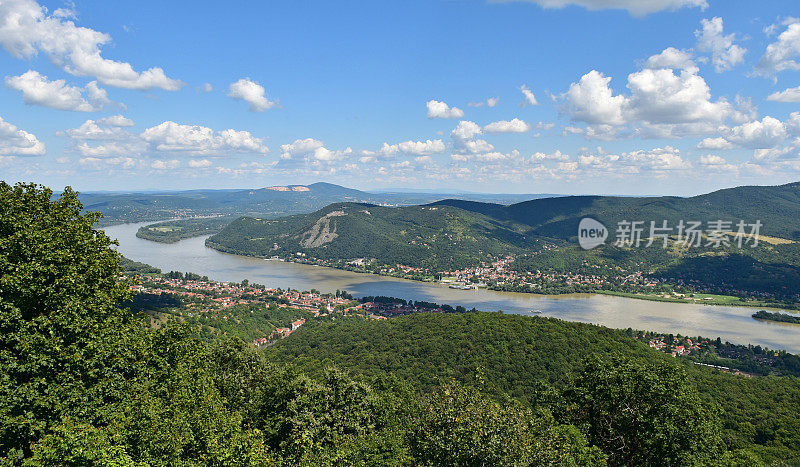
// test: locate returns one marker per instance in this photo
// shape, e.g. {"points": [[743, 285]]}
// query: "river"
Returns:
{"points": [[733, 324]]}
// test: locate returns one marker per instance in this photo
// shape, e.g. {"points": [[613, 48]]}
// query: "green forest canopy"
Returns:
{"points": [[85, 382]]}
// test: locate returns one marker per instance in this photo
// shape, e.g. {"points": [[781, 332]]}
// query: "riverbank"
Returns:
{"points": [[731, 323], [703, 299], [175, 230], [777, 317], [695, 298]]}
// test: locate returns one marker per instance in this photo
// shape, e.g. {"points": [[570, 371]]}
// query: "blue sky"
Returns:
{"points": [[558, 96]]}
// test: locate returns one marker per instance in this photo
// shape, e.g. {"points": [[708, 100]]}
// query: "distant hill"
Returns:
{"points": [[469, 228], [275, 201], [541, 235], [777, 207], [270, 201], [427, 236]]}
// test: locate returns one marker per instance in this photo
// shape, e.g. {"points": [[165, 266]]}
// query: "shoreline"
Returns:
{"points": [[693, 302], [635, 296], [731, 322]]}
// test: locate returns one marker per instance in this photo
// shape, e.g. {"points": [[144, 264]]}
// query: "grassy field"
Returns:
{"points": [[703, 299]]}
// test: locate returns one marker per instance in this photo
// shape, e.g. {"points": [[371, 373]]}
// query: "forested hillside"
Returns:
{"points": [[273, 201], [538, 237], [777, 207], [534, 360], [424, 236], [270, 201], [85, 382]]}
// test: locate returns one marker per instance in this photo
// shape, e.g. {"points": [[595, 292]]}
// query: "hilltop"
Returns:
{"points": [[426, 235], [271, 201], [777, 207], [531, 246]]}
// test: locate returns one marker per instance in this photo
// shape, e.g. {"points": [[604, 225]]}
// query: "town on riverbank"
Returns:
{"points": [[501, 275], [263, 315]]}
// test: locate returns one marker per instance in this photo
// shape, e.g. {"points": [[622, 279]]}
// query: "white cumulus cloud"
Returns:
{"points": [[527, 94], [57, 94], [768, 132], [555, 156], [714, 163], [438, 109], [661, 96], [199, 163], [715, 143], [195, 139], [14, 141], [109, 137], [466, 130], [591, 100], [301, 146], [116, 120], [26, 29], [667, 158], [464, 138], [661, 104], [507, 126], [490, 102], [416, 148], [724, 53], [312, 150], [251, 92], [672, 58], [165, 164], [787, 95], [782, 54]]}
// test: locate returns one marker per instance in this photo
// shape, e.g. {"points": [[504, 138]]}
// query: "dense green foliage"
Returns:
{"points": [[534, 359], [643, 414], [176, 230], [135, 267], [461, 426], [424, 236], [79, 375], [247, 322], [517, 352], [58, 293], [85, 382], [541, 237], [144, 302], [780, 317]]}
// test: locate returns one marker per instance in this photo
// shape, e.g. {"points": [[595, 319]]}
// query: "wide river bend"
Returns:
{"points": [[733, 324]]}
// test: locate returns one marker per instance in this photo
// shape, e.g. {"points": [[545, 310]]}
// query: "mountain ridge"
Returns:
{"points": [[439, 238], [276, 200]]}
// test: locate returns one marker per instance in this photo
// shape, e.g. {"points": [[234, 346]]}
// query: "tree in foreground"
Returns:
{"points": [[83, 382], [58, 296], [459, 425], [79, 375], [644, 414]]}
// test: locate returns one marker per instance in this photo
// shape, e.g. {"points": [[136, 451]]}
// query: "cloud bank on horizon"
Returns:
{"points": [[701, 96]]}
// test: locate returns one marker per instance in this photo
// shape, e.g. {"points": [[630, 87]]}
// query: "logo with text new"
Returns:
{"points": [[591, 233]]}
